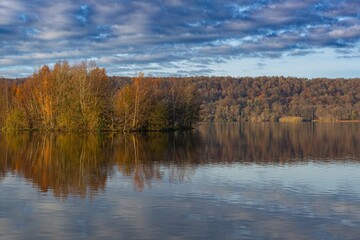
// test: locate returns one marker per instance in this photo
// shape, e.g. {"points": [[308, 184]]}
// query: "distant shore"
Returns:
{"points": [[81, 98]]}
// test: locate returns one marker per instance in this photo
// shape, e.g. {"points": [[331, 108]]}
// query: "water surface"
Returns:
{"points": [[247, 181]]}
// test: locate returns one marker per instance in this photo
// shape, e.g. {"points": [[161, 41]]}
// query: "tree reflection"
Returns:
{"points": [[156, 156], [80, 164], [76, 164], [271, 143]]}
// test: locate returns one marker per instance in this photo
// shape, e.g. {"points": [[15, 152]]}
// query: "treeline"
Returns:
{"points": [[82, 97], [262, 99]]}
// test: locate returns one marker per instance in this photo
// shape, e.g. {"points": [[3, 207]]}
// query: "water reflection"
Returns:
{"points": [[283, 143], [81, 164], [77, 164], [262, 181]]}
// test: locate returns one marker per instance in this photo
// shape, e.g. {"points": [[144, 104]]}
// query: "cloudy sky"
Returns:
{"points": [[307, 38]]}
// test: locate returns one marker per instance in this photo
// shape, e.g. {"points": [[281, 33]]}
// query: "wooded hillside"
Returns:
{"points": [[226, 99]]}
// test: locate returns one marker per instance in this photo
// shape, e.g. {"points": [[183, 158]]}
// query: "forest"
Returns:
{"points": [[82, 97], [271, 99]]}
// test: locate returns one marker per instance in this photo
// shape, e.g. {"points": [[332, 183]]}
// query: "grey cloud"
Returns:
{"points": [[260, 65], [298, 53]]}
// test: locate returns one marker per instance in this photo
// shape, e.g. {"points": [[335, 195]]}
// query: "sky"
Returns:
{"points": [[300, 38]]}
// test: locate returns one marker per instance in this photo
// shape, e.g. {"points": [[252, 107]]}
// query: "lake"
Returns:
{"points": [[241, 181]]}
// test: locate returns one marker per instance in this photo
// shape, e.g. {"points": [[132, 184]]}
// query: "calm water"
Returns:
{"points": [[261, 181]]}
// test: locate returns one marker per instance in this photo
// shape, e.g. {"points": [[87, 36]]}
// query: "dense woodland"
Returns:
{"points": [[261, 99], [83, 97]]}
